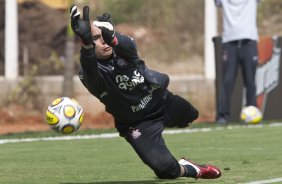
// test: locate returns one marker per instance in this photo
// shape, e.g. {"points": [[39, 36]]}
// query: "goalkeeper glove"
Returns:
{"points": [[81, 27], [108, 32]]}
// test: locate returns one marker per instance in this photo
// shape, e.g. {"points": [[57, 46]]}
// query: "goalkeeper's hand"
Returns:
{"points": [[81, 27], [108, 32]]}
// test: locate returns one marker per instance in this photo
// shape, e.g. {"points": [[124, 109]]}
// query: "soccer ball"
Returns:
{"points": [[251, 115], [64, 115]]}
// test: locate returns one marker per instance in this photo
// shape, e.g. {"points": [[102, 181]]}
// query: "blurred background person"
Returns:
{"points": [[239, 48]]}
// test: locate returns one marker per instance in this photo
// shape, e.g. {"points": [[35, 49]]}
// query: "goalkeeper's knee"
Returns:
{"points": [[167, 169], [180, 112]]}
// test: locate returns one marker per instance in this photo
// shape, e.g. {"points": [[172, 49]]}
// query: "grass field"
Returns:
{"points": [[243, 154]]}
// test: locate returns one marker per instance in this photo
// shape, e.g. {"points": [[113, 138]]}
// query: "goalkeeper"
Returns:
{"points": [[136, 96]]}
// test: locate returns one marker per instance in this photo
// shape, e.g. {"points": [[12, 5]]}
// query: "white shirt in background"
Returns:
{"points": [[239, 19]]}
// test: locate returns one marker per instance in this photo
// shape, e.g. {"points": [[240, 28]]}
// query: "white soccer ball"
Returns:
{"points": [[251, 115], [64, 115]]}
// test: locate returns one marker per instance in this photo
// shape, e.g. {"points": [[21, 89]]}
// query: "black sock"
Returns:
{"points": [[189, 171]]}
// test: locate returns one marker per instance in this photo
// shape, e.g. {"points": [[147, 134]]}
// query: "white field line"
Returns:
{"points": [[113, 135], [274, 180]]}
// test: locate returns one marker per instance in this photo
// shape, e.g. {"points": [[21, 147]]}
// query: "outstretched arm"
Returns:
{"points": [[89, 75], [88, 60]]}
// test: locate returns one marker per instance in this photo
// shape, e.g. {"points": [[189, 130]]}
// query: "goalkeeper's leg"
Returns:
{"points": [[179, 112], [146, 139]]}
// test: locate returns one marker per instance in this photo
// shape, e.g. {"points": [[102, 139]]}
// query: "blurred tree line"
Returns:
{"points": [[168, 33], [172, 31], [270, 17], [176, 26]]}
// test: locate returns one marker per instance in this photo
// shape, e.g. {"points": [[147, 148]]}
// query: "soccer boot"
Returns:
{"points": [[203, 171]]}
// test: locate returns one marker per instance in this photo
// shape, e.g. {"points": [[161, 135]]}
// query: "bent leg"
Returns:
{"points": [[146, 139], [179, 112]]}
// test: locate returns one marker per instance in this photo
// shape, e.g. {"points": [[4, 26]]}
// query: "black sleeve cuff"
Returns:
{"points": [[87, 52]]}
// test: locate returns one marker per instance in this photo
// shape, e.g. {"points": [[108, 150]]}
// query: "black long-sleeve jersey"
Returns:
{"points": [[129, 90]]}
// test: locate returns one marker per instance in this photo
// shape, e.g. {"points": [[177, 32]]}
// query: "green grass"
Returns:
{"points": [[52, 133], [243, 155]]}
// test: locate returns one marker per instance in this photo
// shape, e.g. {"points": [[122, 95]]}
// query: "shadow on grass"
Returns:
{"points": [[157, 181]]}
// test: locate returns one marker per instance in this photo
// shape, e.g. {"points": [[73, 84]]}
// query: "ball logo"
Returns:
{"points": [[51, 118]]}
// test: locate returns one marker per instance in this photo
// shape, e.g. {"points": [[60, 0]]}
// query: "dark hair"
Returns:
{"points": [[104, 18]]}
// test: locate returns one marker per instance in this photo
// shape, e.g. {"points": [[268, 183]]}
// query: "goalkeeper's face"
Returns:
{"points": [[102, 50]]}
